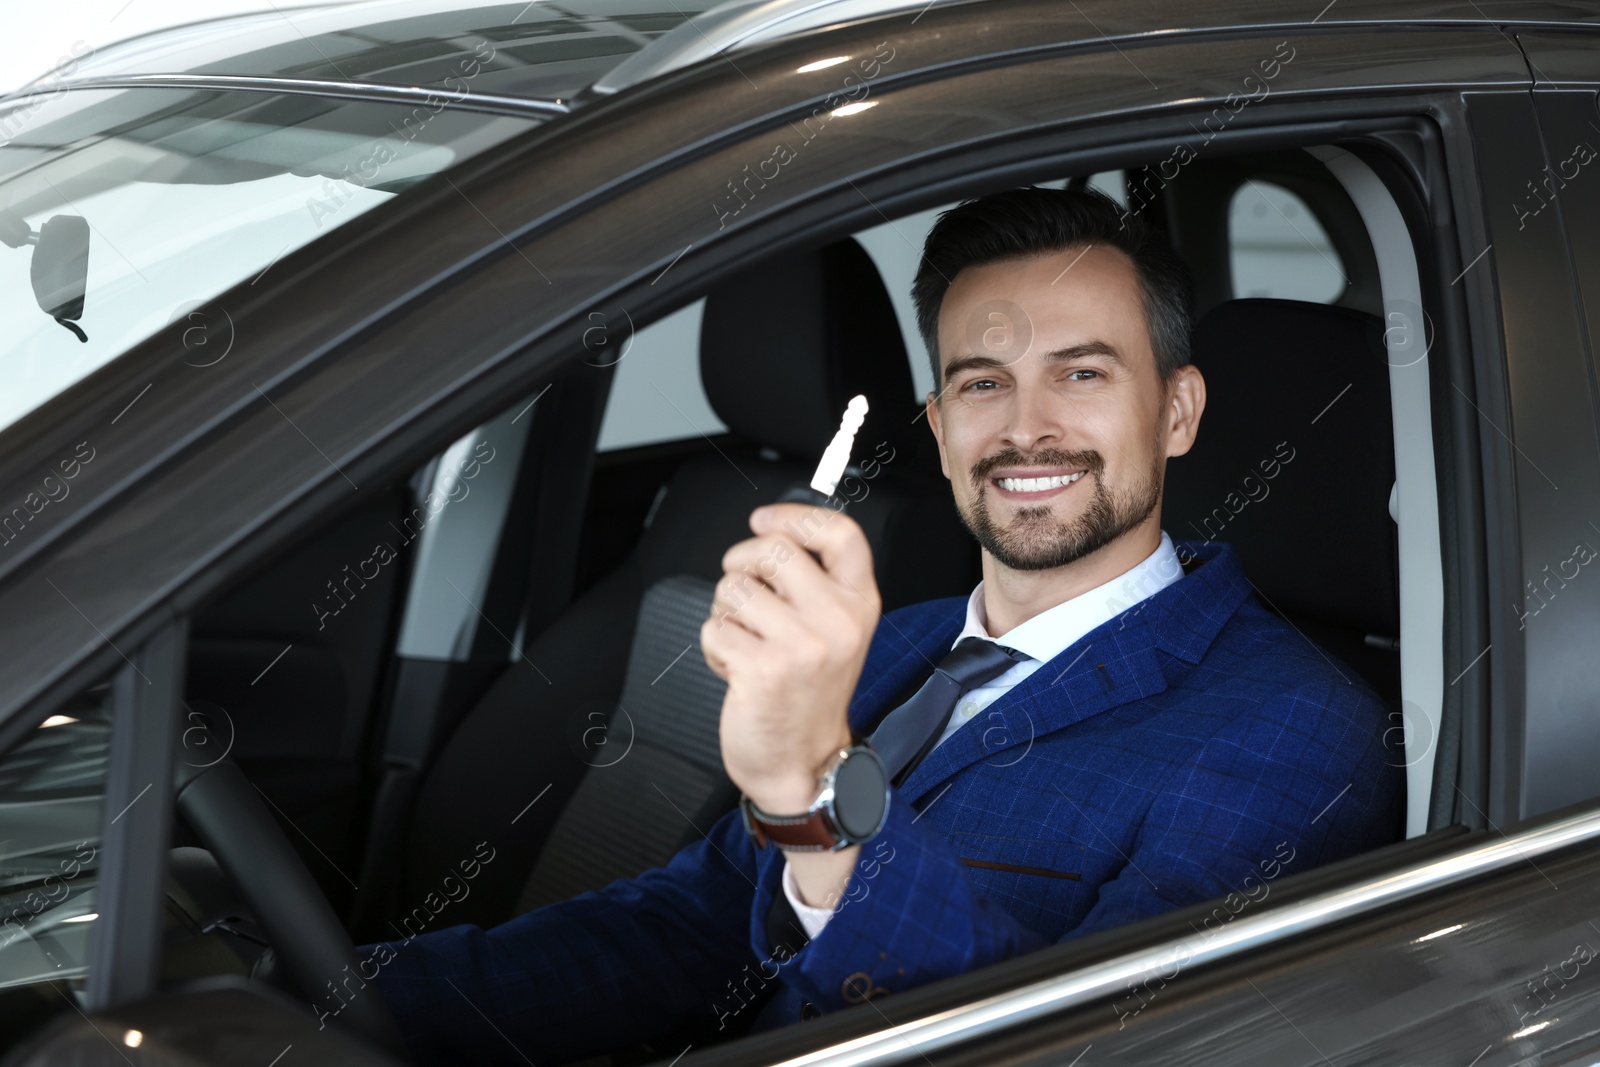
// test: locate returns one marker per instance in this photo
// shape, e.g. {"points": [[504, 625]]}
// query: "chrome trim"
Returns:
{"points": [[399, 94], [1032, 1002], [741, 23]]}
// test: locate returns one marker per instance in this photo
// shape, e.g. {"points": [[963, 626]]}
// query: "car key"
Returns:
{"points": [[834, 460]]}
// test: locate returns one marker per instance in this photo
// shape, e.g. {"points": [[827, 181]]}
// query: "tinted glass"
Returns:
{"points": [[52, 790]]}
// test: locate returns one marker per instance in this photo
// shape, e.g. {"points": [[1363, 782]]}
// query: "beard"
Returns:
{"points": [[1035, 540]]}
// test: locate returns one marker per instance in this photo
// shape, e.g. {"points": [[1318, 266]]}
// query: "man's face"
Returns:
{"points": [[1053, 424]]}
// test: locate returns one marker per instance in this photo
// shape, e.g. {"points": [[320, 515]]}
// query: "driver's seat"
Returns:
{"points": [[613, 764]]}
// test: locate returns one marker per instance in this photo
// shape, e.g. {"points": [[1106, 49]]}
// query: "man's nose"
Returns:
{"points": [[1035, 419]]}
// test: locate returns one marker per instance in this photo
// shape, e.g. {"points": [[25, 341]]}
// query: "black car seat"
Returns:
{"points": [[613, 764], [1293, 466]]}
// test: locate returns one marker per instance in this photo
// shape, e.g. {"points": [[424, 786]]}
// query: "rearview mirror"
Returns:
{"points": [[60, 266], [60, 269]]}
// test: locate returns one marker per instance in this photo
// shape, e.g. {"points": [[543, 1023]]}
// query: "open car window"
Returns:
{"points": [[586, 756]]}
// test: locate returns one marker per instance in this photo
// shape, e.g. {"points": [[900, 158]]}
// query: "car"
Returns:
{"points": [[389, 378]]}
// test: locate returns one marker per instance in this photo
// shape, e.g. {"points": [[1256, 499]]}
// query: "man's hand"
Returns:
{"points": [[789, 636]]}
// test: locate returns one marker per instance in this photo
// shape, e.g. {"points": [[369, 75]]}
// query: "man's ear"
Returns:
{"points": [[1185, 401], [934, 424]]}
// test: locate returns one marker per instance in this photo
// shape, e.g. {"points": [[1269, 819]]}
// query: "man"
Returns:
{"points": [[1109, 726]]}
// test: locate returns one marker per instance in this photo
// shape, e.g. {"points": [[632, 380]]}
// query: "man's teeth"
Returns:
{"points": [[1036, 485]]}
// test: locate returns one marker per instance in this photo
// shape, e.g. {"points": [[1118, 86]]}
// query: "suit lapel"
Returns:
{"points": [[1113, 664], [908, 650], [1110, 665]]}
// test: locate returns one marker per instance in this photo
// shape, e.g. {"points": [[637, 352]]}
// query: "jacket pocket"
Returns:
{"points": [[1017, 868]]}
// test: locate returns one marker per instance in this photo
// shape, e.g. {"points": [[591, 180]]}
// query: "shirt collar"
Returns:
{"points": [[1048, 633]]}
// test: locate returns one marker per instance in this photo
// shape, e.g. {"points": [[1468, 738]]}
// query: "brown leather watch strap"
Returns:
{"points": [[797, 833], [816, 829]]}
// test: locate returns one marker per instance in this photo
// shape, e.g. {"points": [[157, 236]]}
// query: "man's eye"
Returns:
{"points": [[978, 383], [1091, 373]]}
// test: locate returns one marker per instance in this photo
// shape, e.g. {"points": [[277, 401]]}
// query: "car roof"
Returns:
{"points": [[551, 53]]}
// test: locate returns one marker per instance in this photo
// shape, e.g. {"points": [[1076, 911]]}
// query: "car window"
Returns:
{"points": [[52, 791], [1278, 248], [126, 210], [656, 395]]}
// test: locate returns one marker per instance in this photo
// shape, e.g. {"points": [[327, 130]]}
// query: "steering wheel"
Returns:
{"points": [[227, 814]]}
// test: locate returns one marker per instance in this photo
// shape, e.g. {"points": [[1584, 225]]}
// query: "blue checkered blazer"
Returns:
{"points": [[1167, 757]]}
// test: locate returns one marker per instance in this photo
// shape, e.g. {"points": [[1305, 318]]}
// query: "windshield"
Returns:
{"points": [[542, 48], [125, 210]]}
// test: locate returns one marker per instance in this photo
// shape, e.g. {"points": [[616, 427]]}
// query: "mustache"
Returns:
{"points": [[1089, 460]]}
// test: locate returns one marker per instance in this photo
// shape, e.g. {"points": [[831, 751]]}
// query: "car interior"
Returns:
{"points": [[503, 647]]}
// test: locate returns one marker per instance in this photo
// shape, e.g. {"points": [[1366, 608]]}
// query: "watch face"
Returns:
{"points": [[860, 794]]}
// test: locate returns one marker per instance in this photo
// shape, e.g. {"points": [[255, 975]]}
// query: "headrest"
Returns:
{"points": [[1294, 461], [787, 343]]}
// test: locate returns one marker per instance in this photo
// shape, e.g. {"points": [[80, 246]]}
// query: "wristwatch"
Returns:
{"points": [[852, 805]]}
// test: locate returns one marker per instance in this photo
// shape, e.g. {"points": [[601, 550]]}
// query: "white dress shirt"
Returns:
{"points": [[1041, 639]]}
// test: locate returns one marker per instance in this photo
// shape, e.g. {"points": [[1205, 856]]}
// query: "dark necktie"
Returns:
{"points": [[908, 733]]}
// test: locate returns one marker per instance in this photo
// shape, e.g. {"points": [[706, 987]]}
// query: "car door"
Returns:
{"points": [[1556, 211], [1389, 986], [551, 216]]}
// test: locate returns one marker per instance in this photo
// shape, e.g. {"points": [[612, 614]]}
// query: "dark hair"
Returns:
{"points": [[1032, 221]]}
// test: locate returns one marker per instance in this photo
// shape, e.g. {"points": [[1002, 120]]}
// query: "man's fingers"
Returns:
{"points": [[834, 536], [741, 599], [777, 561], [723, 642]]}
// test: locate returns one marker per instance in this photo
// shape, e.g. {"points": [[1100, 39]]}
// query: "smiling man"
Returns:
{"points": [[1147, 735], [1107, 728]]}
